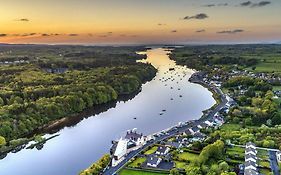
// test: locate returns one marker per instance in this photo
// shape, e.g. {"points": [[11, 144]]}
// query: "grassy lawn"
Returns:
{"points": [[186, 156], [265, 171], [231, 127], [134, 172], [235, 154], [236, 149], [151, 151], [138, 162], [181, 165]]}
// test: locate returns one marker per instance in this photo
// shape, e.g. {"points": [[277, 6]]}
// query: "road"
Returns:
{"points": [[273, 162], [171, 133]]}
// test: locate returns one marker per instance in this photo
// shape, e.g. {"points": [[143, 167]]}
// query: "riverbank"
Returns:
{"points": [[58, 124]]}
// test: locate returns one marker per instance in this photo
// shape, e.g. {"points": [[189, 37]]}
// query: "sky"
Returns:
{"points": [[98, 22]]}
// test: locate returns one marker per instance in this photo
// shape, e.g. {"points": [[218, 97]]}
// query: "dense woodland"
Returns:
{"points": [[40, 84]]}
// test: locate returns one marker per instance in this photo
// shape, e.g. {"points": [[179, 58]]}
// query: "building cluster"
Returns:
{"points": [[251, 166], [122, 147]]}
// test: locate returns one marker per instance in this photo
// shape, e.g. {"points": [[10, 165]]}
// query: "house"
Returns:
{"points": [[162, 150], [250, 172], [174, 144], [209, 123], [250, 157], [197, 137], [250, 145], [194, 130], [278, 156], [250, 151], [135, 137], [153, 161], [250, 166]]}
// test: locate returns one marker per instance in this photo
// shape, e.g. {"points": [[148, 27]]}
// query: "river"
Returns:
{"points": [[163, 102]]}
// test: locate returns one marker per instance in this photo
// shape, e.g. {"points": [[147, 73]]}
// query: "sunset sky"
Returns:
{"points": [[139, 21]]}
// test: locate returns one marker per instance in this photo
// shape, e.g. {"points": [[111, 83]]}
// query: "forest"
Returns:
{"points": [[41, 84]]}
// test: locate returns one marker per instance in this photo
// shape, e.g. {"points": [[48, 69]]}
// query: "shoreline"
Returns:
{"points": [[207, 114], [71, 120]]}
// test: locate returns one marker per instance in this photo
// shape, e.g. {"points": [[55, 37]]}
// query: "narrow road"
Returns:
{"points": [[273, 162], [171, 133]]}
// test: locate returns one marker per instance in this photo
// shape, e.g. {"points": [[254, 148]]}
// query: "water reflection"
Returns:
{"points": [[165, 101]]}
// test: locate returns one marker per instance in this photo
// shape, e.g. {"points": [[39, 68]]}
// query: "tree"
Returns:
{"points": [[1, 102], [212, 151], [193, 170], [2, 141], [174, 171], [223, 166], [276, 119], [236, 113]]}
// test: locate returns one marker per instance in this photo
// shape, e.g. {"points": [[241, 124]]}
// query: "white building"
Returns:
{"points": [[162, 150], [120, 152], [153, 161]]}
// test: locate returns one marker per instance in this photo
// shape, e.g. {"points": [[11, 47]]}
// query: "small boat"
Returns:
{"points": [[172, 99], [164, 110], [180, 95], [135, 118]]}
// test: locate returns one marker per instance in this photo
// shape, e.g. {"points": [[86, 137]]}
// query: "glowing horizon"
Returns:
{"points": [[139, 22]]}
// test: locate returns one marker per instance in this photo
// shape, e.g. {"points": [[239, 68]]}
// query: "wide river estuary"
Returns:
{"points": [[163, 102]]}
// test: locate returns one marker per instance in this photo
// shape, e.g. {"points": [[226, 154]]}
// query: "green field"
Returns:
{"points": [[151, 150], [186, 156], [137, 162], [268, 67], [230, 127], [135, 172]]}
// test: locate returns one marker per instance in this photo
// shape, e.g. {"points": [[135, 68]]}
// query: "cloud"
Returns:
{"points": [[252, 4], [26, 34], [50, 34], [103, 36], [45, 34], [3, 35], [73, 34], [215, 5], [244, 4], [23, 20], [209, 5], [198, 16], [222, 4], [230, 31], [200, 31]]}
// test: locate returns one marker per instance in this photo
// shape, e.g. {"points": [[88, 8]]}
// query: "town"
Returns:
{"points": [[172, 150]]}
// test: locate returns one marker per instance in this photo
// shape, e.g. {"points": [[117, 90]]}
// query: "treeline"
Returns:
{"points": [[204, 57], [98, 167]]}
